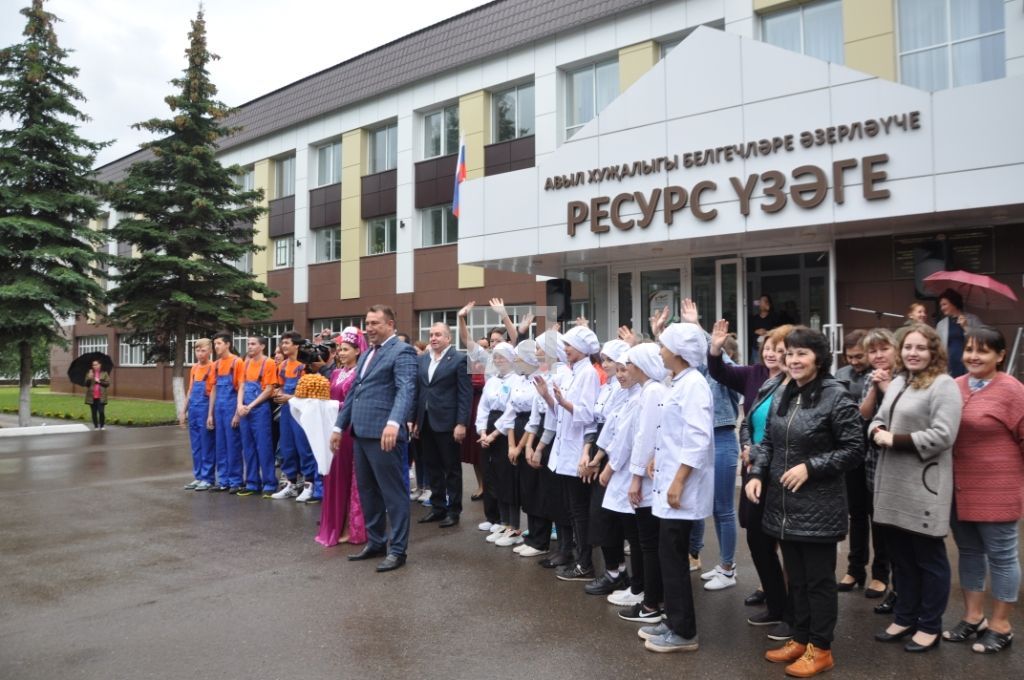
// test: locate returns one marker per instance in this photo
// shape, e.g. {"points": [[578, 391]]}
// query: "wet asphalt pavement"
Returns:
{"points": [[111, 571]]}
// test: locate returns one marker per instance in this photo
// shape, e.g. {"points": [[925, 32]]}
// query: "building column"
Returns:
{"points": [[869, 37], [354, 152], [475, 125], [636, 60], [261, 236]]}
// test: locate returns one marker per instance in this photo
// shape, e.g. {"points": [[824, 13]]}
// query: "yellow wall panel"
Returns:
{"points": [[475, 128], [876, 56], [470, 276], [261, 237], [867, 19], [636, 60], [354, 160]]}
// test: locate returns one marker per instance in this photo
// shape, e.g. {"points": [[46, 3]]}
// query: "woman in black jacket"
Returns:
{"points": [[813, 437]]}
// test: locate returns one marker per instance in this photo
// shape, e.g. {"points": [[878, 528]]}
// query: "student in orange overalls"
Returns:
{"points": [[200, 383], [223, 415], [254, 412], [296, 454]]}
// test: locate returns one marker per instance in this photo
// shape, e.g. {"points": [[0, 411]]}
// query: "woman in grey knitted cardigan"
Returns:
{"points": [[915, 429]]}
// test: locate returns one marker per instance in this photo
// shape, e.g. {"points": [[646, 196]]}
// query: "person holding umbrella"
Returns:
{"points": [[96, 382], [952, 327]]}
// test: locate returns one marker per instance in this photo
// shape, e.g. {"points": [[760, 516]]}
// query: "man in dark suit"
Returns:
{"points": [[378, 407], [445, 399]]}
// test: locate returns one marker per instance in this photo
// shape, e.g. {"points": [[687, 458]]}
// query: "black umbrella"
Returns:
{"points": [[81, 366]]}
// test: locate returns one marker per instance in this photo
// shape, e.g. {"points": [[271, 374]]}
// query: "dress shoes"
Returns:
{"points": [[391, 562], [887, 604], [367, 553], [885, 636], [556, 560], [916, 648], [432, 516], [755, 598], [449, 521]]}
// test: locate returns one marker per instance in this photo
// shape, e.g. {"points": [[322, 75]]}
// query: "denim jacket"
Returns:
{"points": [[726, 400]]}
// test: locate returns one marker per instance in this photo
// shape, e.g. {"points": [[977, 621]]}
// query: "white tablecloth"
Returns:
{"points": [[317, 416]]}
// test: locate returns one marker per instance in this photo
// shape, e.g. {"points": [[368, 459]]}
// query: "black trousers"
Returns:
{"points": [[764, 553], [99, 418], [861, 509], [649, 536], [674, 551], [636, 555], [577, 499], [921, 576], [442, 457], [811, 568]]}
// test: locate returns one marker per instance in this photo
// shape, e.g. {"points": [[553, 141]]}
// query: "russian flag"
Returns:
{"points": [[460, 175]]}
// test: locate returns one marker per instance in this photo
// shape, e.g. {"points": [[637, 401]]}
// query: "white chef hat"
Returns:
{"points": [[647, 357], [526, 351], [615, 350], [503, 349], [686, 340], [583, 340], [551, 343]]}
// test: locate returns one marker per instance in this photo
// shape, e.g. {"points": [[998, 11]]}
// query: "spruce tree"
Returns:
{"points": [[189, 221], [49, 267]]}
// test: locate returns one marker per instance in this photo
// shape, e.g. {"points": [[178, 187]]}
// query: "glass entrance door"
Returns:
{"points": [[640, 293], [718, 293]]}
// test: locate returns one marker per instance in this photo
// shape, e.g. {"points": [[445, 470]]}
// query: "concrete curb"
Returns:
{"points": [[42, 429]]}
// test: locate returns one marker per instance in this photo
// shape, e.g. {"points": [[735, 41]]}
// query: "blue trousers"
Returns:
{"points": [[229, 443], [296, 455], [726, 460], [384, 493], [203, 444], [258, 449]]}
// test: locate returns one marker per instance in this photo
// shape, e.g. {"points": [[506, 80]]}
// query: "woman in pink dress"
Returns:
{"points": [[341, 516]]}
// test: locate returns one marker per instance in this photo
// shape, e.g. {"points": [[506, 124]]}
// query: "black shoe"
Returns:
{"points": [[885, 636], [432, 516], [607, 584], [963, 631], [555, 561], [575, 572], [887, 604], [764, 618], [847, 587], [369, 552], [218, 487], [449, 521], [782, 631], [991, 642], [755, 598], [391, 562], [915, 648], [639, 614]]}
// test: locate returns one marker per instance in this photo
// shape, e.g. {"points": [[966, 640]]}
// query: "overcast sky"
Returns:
{"points": [[128, 50]]}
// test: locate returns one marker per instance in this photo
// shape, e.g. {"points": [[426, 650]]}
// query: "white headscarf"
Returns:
{"points": [[647, 357], [686, 340], [503, 349], [615, 350], [526, 351], [583, 340], [551, 343]]}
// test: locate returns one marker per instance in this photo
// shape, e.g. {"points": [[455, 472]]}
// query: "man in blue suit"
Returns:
{"points": [[378, 406], [445, 398]]}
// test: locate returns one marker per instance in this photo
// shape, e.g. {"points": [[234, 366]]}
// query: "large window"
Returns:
{"points": [[283, 250], [384, 148], [132, 350], [337, 324], [480, 321], [271, 330], [814, 29], [587, 91], [247, 180], [327, 242], [440, 226], [284, 173], [441, 132], [92, 343], [382, 235], [513, 113], [949, 43], [328, 164], [244, 263]]}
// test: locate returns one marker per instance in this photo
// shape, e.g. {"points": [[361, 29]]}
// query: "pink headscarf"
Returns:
{"points": [[354, 337]]}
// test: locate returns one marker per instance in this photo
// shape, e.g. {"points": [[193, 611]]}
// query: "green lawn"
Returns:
{"points": [[46, 404]]}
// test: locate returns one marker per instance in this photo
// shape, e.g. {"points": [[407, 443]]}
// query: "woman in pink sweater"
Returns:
{"points": [[988, 478]]}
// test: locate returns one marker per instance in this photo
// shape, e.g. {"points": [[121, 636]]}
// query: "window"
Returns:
{"points": [[440, 226], [949, 43], [337, 324], [92, 343], [445, 316], [247, 180], [327, 243], [271, 330], [244, 263], [480, 321], [384, 148], [132, 350], [284, 173], [441, 132], [382, 235], [328, 164], [814, 29], [283, 249], [513, 113], [587, 91]]}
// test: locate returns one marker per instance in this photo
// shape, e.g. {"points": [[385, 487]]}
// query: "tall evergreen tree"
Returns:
{"points": [[49, 268], [189, 221]]}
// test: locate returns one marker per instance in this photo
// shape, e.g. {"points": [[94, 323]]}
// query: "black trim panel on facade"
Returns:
{"points": [[379, 196], [514, 154], [435, 181], [282, 216], [325, 206]]}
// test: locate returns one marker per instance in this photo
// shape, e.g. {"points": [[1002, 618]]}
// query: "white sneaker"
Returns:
{"points": [[425, 495], [286, 491], [498, 527], [518, 548], [510, 537], [625, 598], [721, 581], [415, 494], [708, 575], [495, 535], [530, 551], [484, 526], [307, 492], [627, 549], [203, 486]]}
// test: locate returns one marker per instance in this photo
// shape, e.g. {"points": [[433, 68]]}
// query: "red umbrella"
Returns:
{"points": [[976, 289]]}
